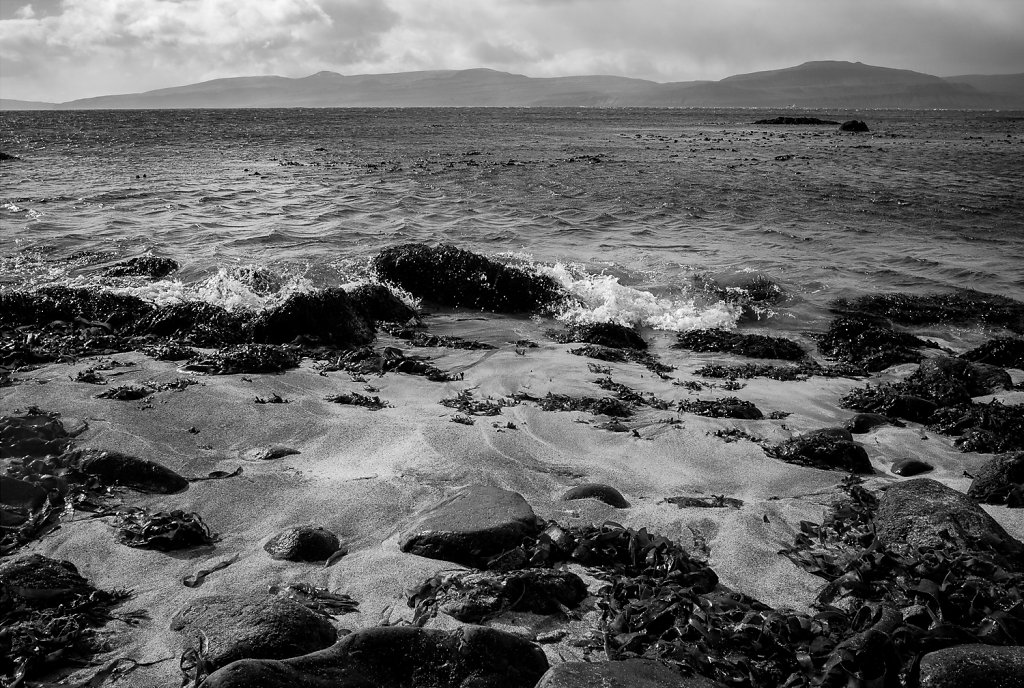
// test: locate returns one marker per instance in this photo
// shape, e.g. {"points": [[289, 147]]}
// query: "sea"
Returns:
{"points": [[643, 215]]}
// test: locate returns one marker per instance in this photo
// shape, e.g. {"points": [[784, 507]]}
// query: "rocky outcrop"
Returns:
{"points": [[303, 543], [749, 345], [378, 304], [973, 665]]}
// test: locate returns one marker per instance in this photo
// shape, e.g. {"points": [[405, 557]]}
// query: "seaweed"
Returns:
{"points": [[712, 502], [465, 403], [425, 339], [607, 353], [1007, 352], [170, 351], [366, 360], [822, 449], [274, 398], [785, 373], [357, 399], [126, 393], [162, 530], [320, 600], [247, 358], [965, 306], [726, 407], [868, 343], [608, 406], [991, 428], [142, 266], [630, 396], [749, 345], [611, 335]]}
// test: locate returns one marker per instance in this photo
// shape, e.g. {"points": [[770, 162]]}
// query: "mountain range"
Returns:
{"points": [[822, 84]]}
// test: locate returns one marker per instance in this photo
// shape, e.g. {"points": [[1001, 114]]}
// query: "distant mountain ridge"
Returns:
{"points": [[822, 84]]}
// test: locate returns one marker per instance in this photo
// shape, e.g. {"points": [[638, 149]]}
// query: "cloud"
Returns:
{"points": [[58, 50]]}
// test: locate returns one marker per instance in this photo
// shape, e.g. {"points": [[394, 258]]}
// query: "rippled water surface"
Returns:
{"points": [[629, 208]]}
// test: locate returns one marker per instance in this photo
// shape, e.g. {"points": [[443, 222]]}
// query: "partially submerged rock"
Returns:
{"points": [[326, 316], [115, 468], [964, 306], [966, 666], [197, 323], [142, 266], [1006, 352], [626, 673], [1000, 481], [854, 125], [400, 657], [303, 543], [52, 303], [611, 335], [377, 304], [599, 491], [869, 343], [749, 345], [452, 277], [828, 449], [925, 513], [947, 380], [471, 526], [252, 627]]}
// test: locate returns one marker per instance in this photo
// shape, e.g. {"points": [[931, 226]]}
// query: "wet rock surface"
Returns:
{"points": [[605, 493], [966, 666], [196, 323], [865, 422], [115, 468], [34, 578], [854, 125], [611, 335], [400, 657], [143, 266], [911, 467], [471, 526], [925, 513], [828, 449], [1007, 352], [1000, 481], [749, 345], [453, 277], [627, 673], [246, 627], [326, 316], [303, 543], [869, 343], [378, 304]]}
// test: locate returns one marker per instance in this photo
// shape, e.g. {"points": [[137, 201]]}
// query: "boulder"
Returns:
{"points": [[452, 277], [143, 266], [911, 467], [400, 657], [863, 422], [40, 580], [611, 335], [303, 543], [925, 513], [605, 493], [854, 125], [377, 303], [627, 673], [115, 468], [473, 525], [950, 380], [912, 408], [868, 342], [258, 279], [973, 665], [827, 449], [1007, 352], [252, 627], [47, 304], [1000, 481], [326, 316]]}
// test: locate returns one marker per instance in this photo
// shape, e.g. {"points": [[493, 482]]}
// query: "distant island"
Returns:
{"points": [[823, 84]]}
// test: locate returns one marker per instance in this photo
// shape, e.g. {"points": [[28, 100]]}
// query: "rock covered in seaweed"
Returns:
{"points": [[610, 335], [749, 345], [453, 277], [1006, 352], [960, 307], [196, 322], [1000, 481], [400, 657], [377, 304], [115, 468], [963, 666], [828, 448], [18, 308], [471, 526], [252, 627], [303, 543], [868, 343], [142, 266], [854, 125], [325, 316], [36, 579]]}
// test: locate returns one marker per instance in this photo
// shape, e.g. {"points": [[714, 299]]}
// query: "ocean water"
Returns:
{"points": [[634, 211]]}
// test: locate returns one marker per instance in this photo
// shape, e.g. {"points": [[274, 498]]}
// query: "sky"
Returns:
{"points": [[59, 50]]}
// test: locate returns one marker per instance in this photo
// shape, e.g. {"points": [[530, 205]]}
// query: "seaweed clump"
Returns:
{"points": [[162, 530], [749, 345], [607, 406], [784, 373], [465, 402], [869, 343], [726, 407], [142, 266], [1007, 352], [965, 306], [247, 358], [366, 360]]}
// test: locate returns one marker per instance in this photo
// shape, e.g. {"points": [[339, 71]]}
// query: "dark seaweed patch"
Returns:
{"points": [[247, 358], [357, 399], [966, 306], [726, 407], [631, 396], [607, 406], [466, 403], [749, 345], [367, 360], [868, 343], [162, 530], [802, 371], [1007, 352], [425, 339]]}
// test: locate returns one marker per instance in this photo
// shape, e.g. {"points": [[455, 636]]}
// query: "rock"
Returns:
{"points": [[115, 468], [863, 422], [400, 657], [471, 526], [269, 453], [627, 673], [950, 381], [723, 407], [478, 596], [453, 277], [910, 467], [853, 125], [327, 316], [378, 304], [1000, 481], [965, 666], [827, 449], [47, 304], [867, 342], [21, 494], [611, 335], [913, 408], [252, 627], [925, 513], [964, 306], [201, 323], [605, 493], [36, 579], [749, 345], [1007, 352], [303, 543], [143, 266], [795, 120], [260, 280]]}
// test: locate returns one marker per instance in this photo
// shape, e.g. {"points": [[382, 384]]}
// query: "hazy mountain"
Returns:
{"points": [[10, 104], [826, 84]]}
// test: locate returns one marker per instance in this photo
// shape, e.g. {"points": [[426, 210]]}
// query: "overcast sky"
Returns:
{"points": [[58, 50]]}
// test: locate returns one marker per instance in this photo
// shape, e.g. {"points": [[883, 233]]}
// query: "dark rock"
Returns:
{"points": [[827, 449], [947, 380], [260, 280], [378, 304], [795, 120], [198, 322], [303, 543], [993, 427], [269, 452], [712, 502], [725, 407], [868, 343], [627, 673], [400, 657], [755, 295], [328, 316], [478, 596], [143, 266], [967, 666], [34, 434], [8, 156], [925, 513], [453, 277], [912, 408], [139, 474], [965, 306], [611, 335], [601, 353], [749, 345], [853, 125], [911, 467], [40, 580], [21, 494], [1000, 481], [64, 303], [863, 422], [1007, 352], [252, 627], [474, 524], [605, 493]]}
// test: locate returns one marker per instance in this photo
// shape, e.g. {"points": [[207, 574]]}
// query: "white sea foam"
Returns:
{"points": [[602, 298], [230, 288]]}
